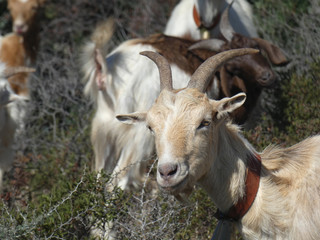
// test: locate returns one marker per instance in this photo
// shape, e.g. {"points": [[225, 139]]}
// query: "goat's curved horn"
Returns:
{"points": [[202, 76], [164, 69], [226, 29], [10, 71]]}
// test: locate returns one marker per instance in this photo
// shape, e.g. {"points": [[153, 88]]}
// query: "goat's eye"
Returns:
{"points": [[150, 129], [204, 123]]}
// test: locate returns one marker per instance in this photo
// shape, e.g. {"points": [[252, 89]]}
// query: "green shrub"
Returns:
{"points": [[69, 211]]}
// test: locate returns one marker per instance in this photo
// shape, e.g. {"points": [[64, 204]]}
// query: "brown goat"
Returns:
{"points": [[249, 73], [25, 15], [13, 54], [20, 47]]}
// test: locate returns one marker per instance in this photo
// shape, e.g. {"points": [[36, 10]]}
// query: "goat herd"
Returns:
{"points": [[189, 118]]}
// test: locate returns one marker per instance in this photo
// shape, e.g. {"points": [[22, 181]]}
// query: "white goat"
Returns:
{"points": [[11, 116], [191, 18], [117, 84], [270, 195]]}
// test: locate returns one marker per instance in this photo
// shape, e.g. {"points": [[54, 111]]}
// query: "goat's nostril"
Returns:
{"points": [[266, 76], [167, 170], [173, 171]]}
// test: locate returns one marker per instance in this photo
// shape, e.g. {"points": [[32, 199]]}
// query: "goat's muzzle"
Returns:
{"points": [[167, 170], [171, 176], [267, 79]]}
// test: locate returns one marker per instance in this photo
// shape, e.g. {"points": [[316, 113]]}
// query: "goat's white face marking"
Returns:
{"points": [[23, 1]]}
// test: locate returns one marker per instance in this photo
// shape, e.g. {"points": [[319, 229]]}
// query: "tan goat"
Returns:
{"points": [[20, 47], [270, 195]]}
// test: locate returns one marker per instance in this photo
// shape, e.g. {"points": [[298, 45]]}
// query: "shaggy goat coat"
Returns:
{"points": [[197, 144]]}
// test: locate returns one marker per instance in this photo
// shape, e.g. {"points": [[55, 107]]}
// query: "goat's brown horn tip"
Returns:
{"points": [[253, 50], [145, 53]]}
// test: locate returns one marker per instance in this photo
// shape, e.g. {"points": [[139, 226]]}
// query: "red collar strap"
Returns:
{"points": [[199, 23], [238, 210]]}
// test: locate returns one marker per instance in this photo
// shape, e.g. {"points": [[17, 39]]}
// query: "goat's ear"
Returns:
{"points": [[227, 105], [239, 83], [101, 70], [229, 82], [274, 53], [132, 118], [226, 82]]}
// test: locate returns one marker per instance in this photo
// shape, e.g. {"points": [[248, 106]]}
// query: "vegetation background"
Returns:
{"points": [[52, 193]]}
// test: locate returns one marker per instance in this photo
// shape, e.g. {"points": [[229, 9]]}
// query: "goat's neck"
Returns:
{"points": [[225, 182], [31, 42]]}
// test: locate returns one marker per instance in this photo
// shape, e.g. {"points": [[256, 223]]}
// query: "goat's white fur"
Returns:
{"points": [[126, 90], [181, 23]]}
